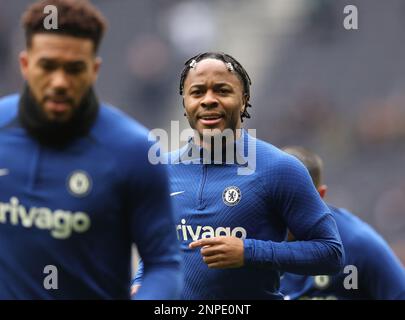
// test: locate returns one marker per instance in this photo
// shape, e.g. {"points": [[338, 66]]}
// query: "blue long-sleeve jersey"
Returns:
{"points": [[79, 209], [372, 271], [213, 200]]}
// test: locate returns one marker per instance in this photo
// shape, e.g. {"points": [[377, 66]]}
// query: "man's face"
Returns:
{"points": [[213, 97], [59, 70]]}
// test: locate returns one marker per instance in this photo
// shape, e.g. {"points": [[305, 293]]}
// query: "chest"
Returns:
{"points": [[41, 187], [217, 200]]}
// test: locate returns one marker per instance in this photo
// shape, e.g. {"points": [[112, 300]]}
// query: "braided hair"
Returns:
{"points": [[233, 66]]}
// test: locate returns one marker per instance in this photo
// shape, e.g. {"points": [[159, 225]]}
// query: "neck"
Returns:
{"points": [[220, 147], [51, 133], [219, 140]]}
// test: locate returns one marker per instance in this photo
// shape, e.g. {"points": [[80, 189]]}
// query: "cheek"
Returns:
{"points": [[234, 107], [81, 84], [38, 81], [190, 105], [36, 75]]}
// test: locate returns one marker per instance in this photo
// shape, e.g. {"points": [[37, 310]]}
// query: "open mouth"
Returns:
{"points": [[210, 119]]}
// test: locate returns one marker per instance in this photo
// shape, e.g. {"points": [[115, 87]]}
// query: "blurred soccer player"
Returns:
{"points": [[232, 226], [76, 187], [373, 271]]}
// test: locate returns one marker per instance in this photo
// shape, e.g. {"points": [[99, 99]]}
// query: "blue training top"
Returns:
{"points": [[79, 209], [372, 271], [214, 200]]}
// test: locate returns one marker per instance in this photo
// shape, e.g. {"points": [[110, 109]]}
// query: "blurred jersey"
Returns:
{"points": [[370, 264], [79, 209]]}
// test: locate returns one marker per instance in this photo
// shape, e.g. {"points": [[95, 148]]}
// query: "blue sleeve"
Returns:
{"points": [[318, 249], [380, 272], [153, 232]]}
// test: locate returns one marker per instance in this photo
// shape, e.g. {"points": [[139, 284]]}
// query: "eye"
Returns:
{"points": [[195, 92], [48, 66], [75, 68], [224, 91]]}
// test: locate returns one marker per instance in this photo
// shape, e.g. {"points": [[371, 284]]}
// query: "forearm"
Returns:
{"points": [[302, 257]]}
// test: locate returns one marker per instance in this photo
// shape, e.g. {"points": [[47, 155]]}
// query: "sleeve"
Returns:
{"points": [[380, 272], [318, 249], [153, 231]]}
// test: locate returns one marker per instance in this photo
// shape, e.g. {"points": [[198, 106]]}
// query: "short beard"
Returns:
{"points": [[52, 132]]}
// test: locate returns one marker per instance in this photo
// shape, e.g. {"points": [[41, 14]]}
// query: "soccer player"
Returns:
{"points": [[232, 226], [372, 271], [76, 187]]}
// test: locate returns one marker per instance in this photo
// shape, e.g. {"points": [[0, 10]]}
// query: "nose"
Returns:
{"points": [[209, 100], [59, 80]]}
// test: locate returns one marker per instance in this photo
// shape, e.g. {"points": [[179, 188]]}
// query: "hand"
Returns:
{"points": [[134, 289], [221, 252]]}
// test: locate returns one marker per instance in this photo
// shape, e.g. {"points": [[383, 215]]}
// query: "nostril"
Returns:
{"points": [[209, 105]]}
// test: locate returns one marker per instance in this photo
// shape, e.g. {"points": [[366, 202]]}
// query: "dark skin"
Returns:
{"points": [[59, 70], [214, 99]]}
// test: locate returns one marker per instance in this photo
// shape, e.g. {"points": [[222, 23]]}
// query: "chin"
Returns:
{"points": [[60, 118], [211, 131]]}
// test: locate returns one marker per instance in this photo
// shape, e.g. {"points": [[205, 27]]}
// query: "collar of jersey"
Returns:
{"points": [[185, 154]]}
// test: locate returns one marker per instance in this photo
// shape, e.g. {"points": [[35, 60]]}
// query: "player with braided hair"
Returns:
{"points": [[232, 65], [232, 227]]}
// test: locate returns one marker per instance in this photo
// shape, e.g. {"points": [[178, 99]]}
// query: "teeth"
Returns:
{"points": [[211, 118]]}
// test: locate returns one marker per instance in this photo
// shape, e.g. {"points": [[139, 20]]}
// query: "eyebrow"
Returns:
{"points": [[54, 60], [223, 84], [220, 84]]}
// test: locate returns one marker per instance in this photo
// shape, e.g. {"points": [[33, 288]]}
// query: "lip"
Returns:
{"points": [[210, 119], [58, 105]]}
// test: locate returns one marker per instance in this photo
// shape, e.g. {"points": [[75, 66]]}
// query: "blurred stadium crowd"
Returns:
{"points": [[338, 92]]}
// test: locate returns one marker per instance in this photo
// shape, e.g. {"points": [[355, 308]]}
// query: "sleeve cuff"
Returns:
{"points": [[248, 245]]}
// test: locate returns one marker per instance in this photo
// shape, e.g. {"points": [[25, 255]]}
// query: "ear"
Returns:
{"points": [[245, 100], [23, 58], [184, 107], [322, 190], [96, 67]]}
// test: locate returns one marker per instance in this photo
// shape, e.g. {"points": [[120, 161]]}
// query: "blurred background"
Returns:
{"points": [[338, 92]]}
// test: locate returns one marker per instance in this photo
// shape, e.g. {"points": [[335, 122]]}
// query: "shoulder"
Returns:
{"points": [[8, 108], [126, 142], [280, 174], [352, 228], [360, 239], [117, 130], [277, 164]]}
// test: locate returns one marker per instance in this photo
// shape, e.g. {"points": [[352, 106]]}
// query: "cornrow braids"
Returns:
{"points": [[231, 63]]}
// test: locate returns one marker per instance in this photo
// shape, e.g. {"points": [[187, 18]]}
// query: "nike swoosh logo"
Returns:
{"points": [[176, 193], [3, 172]]}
